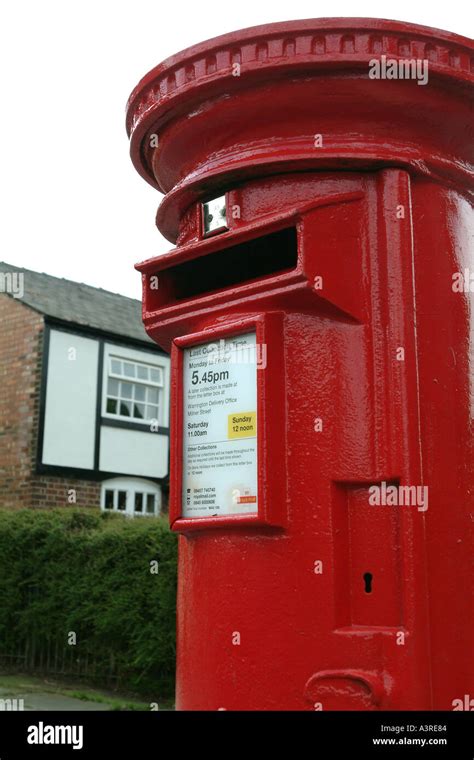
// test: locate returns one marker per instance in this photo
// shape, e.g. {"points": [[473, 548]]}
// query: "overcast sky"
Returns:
{"points": [[72, 204]]}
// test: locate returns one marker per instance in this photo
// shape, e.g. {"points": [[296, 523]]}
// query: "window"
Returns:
{"points": [[145, 503], [134, 390], [131, 496], [115, 500]]}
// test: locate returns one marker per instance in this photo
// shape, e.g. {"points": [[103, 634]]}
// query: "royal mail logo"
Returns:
{"points": [[247, 500], [243, 496]]}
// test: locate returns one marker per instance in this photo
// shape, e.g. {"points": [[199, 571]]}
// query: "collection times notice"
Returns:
{"points": [[220, 428]]}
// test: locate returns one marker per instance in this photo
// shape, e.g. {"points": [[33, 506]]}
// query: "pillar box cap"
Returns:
{"points": [[308, 95]]}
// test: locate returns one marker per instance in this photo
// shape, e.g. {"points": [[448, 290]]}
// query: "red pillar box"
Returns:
{"points": [[318, 186]]}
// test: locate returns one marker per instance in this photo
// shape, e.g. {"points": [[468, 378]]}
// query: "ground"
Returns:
{"points": [[49, 694]]}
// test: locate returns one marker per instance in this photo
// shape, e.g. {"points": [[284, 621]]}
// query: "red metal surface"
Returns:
{"points": [[383, 214]]}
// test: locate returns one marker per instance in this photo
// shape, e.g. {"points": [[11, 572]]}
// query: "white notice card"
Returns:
{"points": [[220, 428]]}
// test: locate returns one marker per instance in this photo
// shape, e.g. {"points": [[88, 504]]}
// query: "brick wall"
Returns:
{"points": [[62, 492], [21, 341]]}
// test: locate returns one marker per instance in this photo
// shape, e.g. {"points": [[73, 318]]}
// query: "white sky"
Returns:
{"points": [[72, 203]]}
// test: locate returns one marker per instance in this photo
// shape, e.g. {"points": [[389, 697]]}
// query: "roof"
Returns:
{"points": [[81, 304]]}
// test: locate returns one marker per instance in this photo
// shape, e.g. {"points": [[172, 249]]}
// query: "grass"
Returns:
{"points": [[116, 704]]}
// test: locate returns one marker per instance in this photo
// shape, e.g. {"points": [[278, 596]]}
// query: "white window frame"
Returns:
{"points": [[131, 486], [148, 359]]}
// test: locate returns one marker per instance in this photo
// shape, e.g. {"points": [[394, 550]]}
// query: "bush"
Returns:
{"points": [[64, 571]]}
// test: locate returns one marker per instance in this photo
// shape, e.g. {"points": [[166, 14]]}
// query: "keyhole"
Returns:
{"points": [[368, 583]]}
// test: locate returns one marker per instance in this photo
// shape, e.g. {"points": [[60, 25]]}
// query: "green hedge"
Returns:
{"points": [[87, 572]]}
